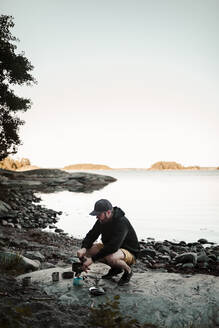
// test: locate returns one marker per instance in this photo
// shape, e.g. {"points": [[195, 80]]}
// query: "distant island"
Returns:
{"points": [[87, 167], [162, 165], [24, 164]]}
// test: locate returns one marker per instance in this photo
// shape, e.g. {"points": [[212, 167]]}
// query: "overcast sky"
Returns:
{"points": [[124, 83]]}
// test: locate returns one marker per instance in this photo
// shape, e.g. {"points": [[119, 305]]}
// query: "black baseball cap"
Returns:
{"points": [[100, 206]]}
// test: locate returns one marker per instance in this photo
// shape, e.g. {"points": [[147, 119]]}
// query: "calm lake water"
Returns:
{"points": [[173, 205]]}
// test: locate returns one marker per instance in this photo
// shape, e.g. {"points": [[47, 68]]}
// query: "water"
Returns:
{"points": [[173, 205]]}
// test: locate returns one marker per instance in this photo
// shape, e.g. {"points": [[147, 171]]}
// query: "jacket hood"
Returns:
{"points": [[118, 212]]}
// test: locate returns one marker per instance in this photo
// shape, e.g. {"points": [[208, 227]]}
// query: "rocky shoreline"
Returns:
{"points": [[22, 220], [23, 242], [18, 202]]}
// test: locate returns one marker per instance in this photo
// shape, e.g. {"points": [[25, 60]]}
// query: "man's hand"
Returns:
{"points": [[86, 264], [81, 253]]}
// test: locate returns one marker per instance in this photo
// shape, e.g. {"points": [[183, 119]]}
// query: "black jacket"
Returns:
{"points": [[115, 234]]}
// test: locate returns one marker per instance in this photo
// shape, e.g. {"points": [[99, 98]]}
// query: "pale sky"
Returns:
{"points": [[124, 83]]}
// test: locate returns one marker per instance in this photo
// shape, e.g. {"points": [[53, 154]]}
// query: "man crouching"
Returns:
{"points": [[119, 247]]}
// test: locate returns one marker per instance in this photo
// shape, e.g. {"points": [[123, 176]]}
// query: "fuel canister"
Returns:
{"points": [[78, 281]]}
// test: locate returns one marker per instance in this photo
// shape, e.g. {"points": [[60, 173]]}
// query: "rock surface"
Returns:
{"points": [[27, 307], [155, 298], [153, 295], [51, 180], [22, 263]]}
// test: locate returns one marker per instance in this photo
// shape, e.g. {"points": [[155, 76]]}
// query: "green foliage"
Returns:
{"points": [[14, 316], [23, 310], [14, 70], [11, 264], [108, 315]]}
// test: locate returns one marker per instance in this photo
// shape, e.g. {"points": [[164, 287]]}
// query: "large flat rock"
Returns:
{"points": [[162, 299], [51, 180]]}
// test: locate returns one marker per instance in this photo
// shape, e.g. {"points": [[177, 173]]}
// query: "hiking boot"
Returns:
{"points": [[125, 278], [112, 272]]}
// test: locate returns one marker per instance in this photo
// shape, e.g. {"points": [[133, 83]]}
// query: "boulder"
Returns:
{"points": [[147, 251], [19, 262], [203, 258], [4, 209], [186, 258], [4, 222], [163, 249], [188, 266], [203, 241], [215, 250], [35, 256], [10, 225]]}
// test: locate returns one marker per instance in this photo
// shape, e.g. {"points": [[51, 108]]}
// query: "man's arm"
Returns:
{"points": [[81, 253], [91, 236]]}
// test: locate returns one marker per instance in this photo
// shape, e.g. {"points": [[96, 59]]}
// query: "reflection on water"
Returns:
{"points": [[174, 205]]}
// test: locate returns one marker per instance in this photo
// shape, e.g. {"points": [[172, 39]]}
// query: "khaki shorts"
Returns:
{"points": [[129, 257]]}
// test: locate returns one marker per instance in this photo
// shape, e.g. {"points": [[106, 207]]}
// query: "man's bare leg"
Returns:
{"points": [[117, 260], [92, 251]]}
